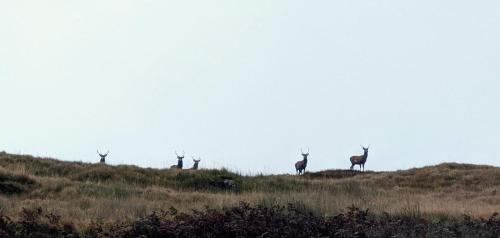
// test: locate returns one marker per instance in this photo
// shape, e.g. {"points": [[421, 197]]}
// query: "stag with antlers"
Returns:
{"points": [[360, 159], [179, 161], [196, 162], [103, 156], [300, 166]]}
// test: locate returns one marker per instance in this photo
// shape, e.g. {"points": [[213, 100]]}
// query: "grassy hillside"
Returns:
{"points": [[83, 192]]}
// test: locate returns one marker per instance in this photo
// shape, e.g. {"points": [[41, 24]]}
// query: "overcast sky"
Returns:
{"points": [[246, 84]]}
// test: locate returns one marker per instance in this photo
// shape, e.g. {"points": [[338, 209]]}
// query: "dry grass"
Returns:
{"points": [[83, 192]]}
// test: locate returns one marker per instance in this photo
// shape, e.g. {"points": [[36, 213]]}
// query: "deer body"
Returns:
{"points": [[300, 166], [361, 159]]}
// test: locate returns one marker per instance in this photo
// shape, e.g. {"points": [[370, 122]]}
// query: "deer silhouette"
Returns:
{"points": [[196, 162], [360, 159], [103, 156], [179, 161], [300, 166]]}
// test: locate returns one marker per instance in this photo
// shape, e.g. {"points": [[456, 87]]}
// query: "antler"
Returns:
{"points": [[366, 147], [102, 154], [183, 154]]}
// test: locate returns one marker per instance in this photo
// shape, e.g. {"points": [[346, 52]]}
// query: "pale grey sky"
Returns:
{"points": [[245, 84]]}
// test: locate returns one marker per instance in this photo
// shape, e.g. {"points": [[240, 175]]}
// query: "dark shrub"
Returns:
{"points": [[244, 220], [208, 180]]}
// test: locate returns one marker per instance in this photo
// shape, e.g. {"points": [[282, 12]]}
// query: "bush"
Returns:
{"points": [[208, 180], [36, 223]]}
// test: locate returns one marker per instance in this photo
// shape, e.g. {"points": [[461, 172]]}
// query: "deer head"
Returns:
{"points": [[196, 162], [103, 156], [365, 149], [305, 155]]}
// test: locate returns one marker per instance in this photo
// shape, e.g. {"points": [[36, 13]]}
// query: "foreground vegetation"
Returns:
{"points": [[83, 194], [243, 220]]}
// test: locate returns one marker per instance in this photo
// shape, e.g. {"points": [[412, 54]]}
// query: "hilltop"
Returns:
{"points": [[82, 192]]}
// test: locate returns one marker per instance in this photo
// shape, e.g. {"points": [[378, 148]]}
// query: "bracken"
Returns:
{"points": [[252, 221]]}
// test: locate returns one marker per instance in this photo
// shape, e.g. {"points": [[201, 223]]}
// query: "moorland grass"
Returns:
{"points": [[84, 192]]}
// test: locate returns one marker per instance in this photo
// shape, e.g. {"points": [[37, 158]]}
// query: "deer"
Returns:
{"points": [[300, 166], [196, 162], [103, 156], [360, 159], [179, 161]]}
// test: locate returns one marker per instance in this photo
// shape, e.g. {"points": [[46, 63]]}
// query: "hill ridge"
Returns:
{"points": [[99, 191]]}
